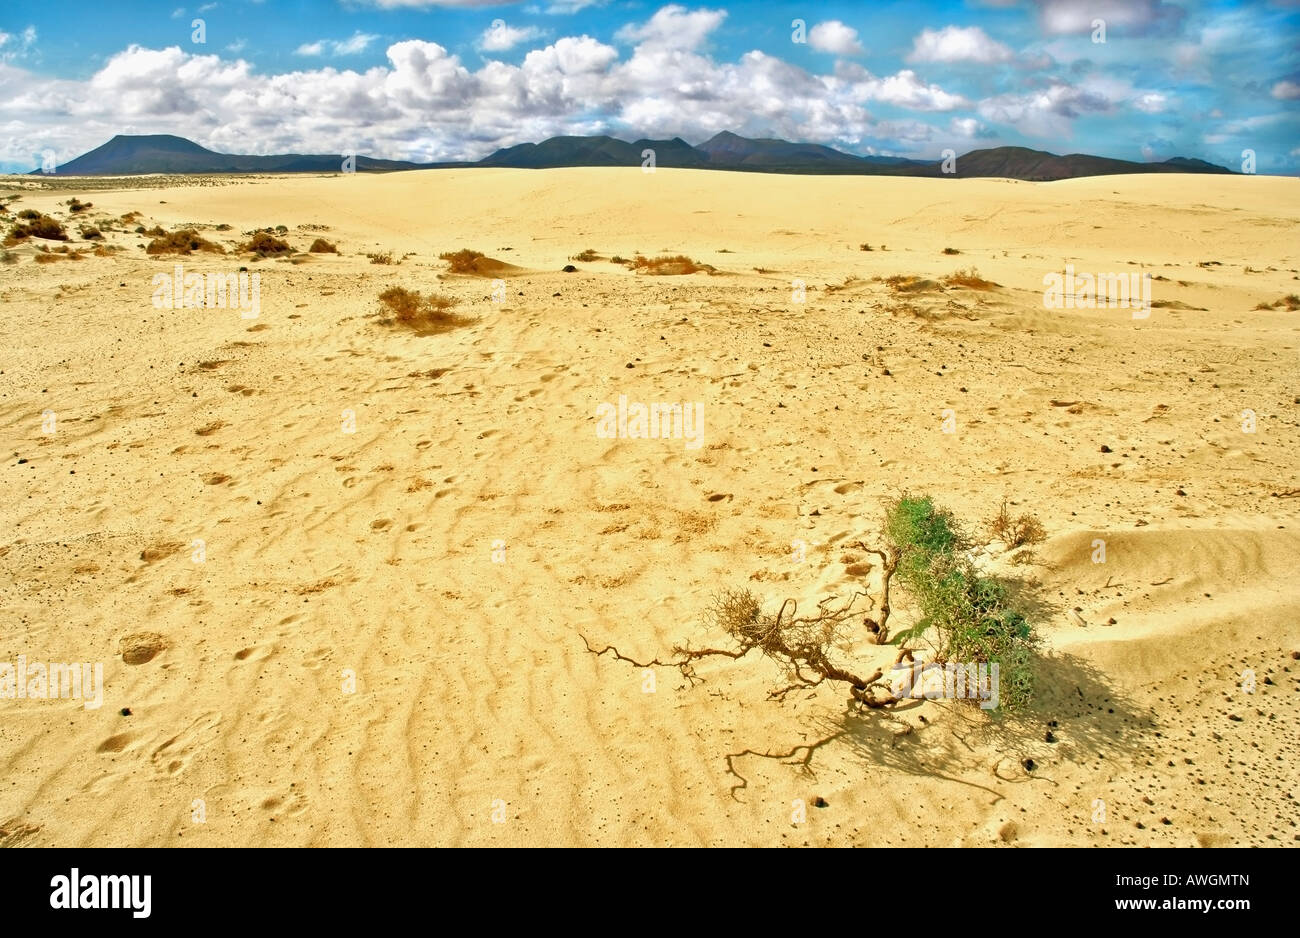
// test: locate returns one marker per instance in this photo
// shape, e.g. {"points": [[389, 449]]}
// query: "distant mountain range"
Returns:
{"points": [[132, 155]]}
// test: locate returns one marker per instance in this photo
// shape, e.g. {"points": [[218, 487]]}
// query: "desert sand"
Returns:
{"points": [[451, 552]]}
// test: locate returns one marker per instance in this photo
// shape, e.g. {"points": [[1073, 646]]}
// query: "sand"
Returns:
{"points": [[381, 645]]}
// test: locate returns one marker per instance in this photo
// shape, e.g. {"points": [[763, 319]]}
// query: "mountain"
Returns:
{"points": [[133, 155], [730, 151], [1039, 166], [595, 151], [127, 155]]}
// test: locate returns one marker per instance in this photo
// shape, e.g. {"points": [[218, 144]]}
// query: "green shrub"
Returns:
{"points": [[970, 613]]}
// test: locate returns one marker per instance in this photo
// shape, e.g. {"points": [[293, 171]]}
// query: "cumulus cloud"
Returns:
{"points": [[958, 44], [903, 89], [674, 27], [1046, 112], [425, 103], [834, 37]]}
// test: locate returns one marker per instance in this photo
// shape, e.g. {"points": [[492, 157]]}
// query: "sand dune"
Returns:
{"points": [[450, 549]]}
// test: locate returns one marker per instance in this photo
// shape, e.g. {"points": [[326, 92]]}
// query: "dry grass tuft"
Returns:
{"points": [[425, 315], [462, 261], [33, 224], [586, 256], [265, 244], [910, 283], [1016, 532], [969, 278], [1290, 302], [321, 246], [181, 242], [668, 265]]}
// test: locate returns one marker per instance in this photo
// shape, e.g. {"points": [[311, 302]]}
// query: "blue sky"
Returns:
{"points": [[455, 79]]}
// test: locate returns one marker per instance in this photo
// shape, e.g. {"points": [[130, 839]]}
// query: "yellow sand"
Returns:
{"points": [[372, 551]]}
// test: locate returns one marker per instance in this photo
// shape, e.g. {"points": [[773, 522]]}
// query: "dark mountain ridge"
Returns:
{"points": [[130, 155]]}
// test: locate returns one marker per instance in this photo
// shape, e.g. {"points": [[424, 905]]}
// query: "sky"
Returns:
{"points": [[431, 80]]}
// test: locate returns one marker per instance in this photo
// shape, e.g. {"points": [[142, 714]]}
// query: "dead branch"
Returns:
{"points": [[805, 764], [800, 645]]}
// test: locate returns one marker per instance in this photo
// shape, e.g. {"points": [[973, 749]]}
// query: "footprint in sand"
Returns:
{"points": [[14, 832], [156, 552], [173, 756], [116, 743], [142, 647]]}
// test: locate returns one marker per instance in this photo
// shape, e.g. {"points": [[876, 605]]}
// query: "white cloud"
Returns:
{"points": [[1286, 90], [1152, 102], [903, 89], [1131, 16], [16, 46], [834, 37], [674, 27], [958, 44], [566, 7], [353, 46], [499, 37], [1044, 113]]}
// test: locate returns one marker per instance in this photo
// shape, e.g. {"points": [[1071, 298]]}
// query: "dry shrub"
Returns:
{"points": [[266, 244], [49, 257], [91, 234], [75, 205], [586, 256], [386, 257], [969, 278], [321, 246], [951, 251], [184, 241], [462, 261], [617, 259], [668, 265], [35, 225], [909, 283], [1291, 303], [1017, 532], [426, 315]]}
